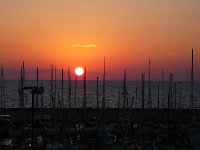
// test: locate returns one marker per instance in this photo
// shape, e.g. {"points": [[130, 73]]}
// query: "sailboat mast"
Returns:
{"points": [[75, 91], [69, 87], [62, 87], [84, 89], [55, 90], [51, 101], [143, 90], [24, 84], [21, 90], [192, 81], [124, 89], [149, 84], [3, 90], [1, 86], [97, 92], [37, 87], [163, 88], [103, 101]]}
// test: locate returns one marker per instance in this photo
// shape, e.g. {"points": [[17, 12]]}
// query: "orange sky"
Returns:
{"points": [[127, 33]]}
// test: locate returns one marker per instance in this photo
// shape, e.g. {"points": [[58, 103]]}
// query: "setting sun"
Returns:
{"points": [[79, 71]]}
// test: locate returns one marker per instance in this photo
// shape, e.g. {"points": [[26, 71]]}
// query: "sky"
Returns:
{"points": [[71, 33]]}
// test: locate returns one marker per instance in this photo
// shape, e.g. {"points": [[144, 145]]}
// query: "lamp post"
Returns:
{"points": [[38, 91]]}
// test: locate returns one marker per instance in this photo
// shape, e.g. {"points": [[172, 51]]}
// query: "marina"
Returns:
{"points": [[120, 129]]}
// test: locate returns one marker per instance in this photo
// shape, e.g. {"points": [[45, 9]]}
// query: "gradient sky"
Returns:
{"points": [[70, 33]]}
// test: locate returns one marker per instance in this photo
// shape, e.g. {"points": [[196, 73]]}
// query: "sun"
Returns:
{"points": [[79, 71]]}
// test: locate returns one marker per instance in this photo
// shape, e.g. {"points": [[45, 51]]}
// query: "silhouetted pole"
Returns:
{"points": [[119, 98], [169, 105], [84, 95], [37, 87], [97, 92], [175, 95], [158, 97], [23, 67], [69, 97], [136, 96], [51, 101], [171, 88], [1, 86], [124, 90], [163, 88], [69, 87], [3, 90], [23, 76], [21, 90], [62, 103], [32, 121], [21, 97], [192, 82], [103, 99], [149, 84], [103, 104], [62, 88], [55, 86], [158, 103], [52, 106], [180, 98], [84, 89], [143, 76], [42, 102], [55, 94], [170, 92], [75, 91]]}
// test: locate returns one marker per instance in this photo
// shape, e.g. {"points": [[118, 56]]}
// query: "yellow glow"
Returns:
{"points": [[79, 71]]}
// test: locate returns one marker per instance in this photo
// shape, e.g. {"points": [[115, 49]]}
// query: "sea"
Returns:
{"points": [[114, 94]]}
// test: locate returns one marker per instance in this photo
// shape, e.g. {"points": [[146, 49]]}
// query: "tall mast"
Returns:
{"points": [[97, 92], [158, 97], [124, 90], [84, 89], [62, 87], [21, 90], [23, 71], [170, 91], [143, 76], [69, 87], [37, 87], [103, 99], [4, 98], [84, 96], [1, 86], [163, 88], [104, 70], [24, 83], [171, 88], [192, 82], [51, 100], [61, 106], [75, 91], [136, 97], [55, 90], [149, 85]]}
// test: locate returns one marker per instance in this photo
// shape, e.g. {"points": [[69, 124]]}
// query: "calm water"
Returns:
{"points": [[113, 96]]}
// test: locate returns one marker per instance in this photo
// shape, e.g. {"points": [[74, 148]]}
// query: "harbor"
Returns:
{"points": [[131, 129]]}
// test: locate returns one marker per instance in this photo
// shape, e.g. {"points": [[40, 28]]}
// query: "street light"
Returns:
{"points": [[38, 91]]}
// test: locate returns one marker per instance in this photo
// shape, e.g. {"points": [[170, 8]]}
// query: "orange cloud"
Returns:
{"points": [[84, 46]]}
